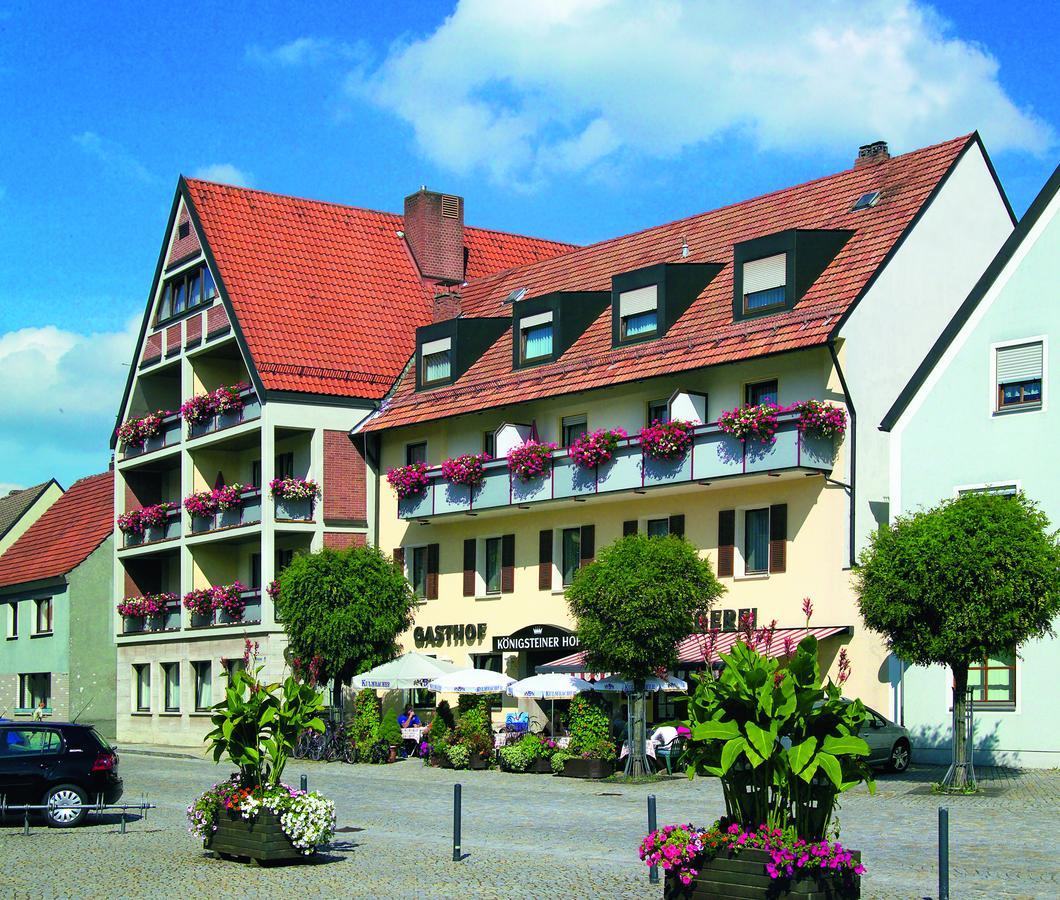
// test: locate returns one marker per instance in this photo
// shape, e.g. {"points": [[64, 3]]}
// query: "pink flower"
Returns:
{"points": [[667, 440], [590, 450], [530, 460], [466, 469], [408, 481], [758, 422]]}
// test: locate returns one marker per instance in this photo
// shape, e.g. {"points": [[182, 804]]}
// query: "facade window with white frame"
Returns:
{"points": [[491, 565], [759, 392], [756, 541], [764, 284], [992, 682], [33, 687], [142, 686], [570, 554], [43, 616], [638, 313], [535, 337], [658, 411], [417, 574], [573, 428], [1020, 368], [416, 453], [11, 615], [171, 686], [203, 670], [436, 361]]}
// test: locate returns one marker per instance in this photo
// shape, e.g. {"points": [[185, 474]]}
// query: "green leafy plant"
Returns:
{"points": [[365, 728], [379, 752], [389, 730], [459, 755], [588, 722], [473, 730]]}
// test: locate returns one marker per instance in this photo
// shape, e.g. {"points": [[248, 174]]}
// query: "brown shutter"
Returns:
{"points": [[507, 563], [399, 559], [469, 567], [677, 526], [588, 544], [726, 541], [432, 572], [778, 537], [544, 565], [629, 528]]}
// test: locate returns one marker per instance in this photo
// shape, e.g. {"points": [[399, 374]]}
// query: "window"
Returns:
{"points": [[658, 527], [491, 662], [186, 291], [638, 313], [203, 670], [535, 337], [171, 683], [142, 686], [570, 553], [489, 443], [43, 622], [284, 557], [436, 361], [255, 472], [1005, 490], [761, 392], [756, 541], [11, 614], [34, 687], [1019, 375], [764, 283], [416, 453], [492, 565], [234, 665], [993, 681], [418, 570], [573, 428], [284, 466], [865, 201], [183, 230], [658, 411]]}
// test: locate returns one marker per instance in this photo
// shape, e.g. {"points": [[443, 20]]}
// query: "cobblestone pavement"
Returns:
{"points": [[526, 836]]}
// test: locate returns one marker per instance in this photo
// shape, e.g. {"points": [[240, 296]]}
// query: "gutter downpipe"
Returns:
{"points": [[853, 449]]}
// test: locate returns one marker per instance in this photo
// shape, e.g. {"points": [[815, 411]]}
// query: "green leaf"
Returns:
{"points": [[763, 741], [715, 731], [800, 754], [731, 752], [810, 770], [226, 729], [831, 768], [267, 716], [845, 746]]}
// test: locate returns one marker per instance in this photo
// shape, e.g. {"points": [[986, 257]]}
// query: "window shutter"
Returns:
{"points": [[432, 572], [508, 563], [544, 566], [726, 541], [629, 528], [778, 537], [399, 559], [1021, 363], [764, 274], [588, 544], [677, 526], [469, 567]]}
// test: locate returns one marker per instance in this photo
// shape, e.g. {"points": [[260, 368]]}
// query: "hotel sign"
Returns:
{"points": [[537, 637], [438, 635]]}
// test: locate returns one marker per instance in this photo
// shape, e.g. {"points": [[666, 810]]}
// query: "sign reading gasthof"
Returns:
{"points": [[537, 637]]}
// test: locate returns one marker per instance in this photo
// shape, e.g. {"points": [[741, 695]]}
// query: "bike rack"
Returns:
{"points": [[143, 806]]}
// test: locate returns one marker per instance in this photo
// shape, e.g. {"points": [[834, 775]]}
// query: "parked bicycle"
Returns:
{"points": [[333, 744]]}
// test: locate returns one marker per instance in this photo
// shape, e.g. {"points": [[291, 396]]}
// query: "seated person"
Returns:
{"points": [[663, 736], [409, 719]]}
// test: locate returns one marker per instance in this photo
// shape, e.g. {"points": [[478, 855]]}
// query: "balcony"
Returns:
{"points": [[219, 617], [154, 534], [251, 409], [714, 456], [168, 620], [247, 513], [168, 436]]}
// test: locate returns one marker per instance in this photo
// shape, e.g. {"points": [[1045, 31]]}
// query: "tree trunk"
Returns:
{"points": [[637, 761], [960, 775]]}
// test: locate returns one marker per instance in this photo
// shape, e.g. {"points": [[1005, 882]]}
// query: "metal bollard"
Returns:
{"points": [[122, 830], [304, 784], [25, 821], [457, 856], [653, 823], [944, 853]]}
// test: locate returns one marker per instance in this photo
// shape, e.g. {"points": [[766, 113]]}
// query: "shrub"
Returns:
{"points": [[559, 758], [379, 752], [389, 730], [589, 725], [458, 754], [366, 723], [473, 730]]}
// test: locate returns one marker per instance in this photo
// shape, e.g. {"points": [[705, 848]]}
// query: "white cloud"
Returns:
{"points": [[524, 90], [60, 399], [305, 51], [113, 155], [225, 173]]}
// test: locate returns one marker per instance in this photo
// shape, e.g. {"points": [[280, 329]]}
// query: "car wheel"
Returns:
{"points": [[66, 806], [899, 759]]}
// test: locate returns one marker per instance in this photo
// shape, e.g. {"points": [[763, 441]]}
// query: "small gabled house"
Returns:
{"points": [[272, 324], [831, 290], [20, 508], [55, 590], [979, 414]]}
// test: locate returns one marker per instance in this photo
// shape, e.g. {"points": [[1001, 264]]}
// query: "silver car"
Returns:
{"points": [[889, 743]]}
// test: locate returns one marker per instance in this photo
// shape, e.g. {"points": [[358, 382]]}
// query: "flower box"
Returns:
{"points": [[259, 840], [294, 510], [440, 761], [229, 518], [132, 624], [587, 768], [539, 766], [744, 875], [201, 620], [478, 762]]}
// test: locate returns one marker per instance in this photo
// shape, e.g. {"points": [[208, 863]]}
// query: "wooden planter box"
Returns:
{"points": [[540, 766], [294, 510], [478, 761], [744, 876], [587, 768], [440, 761], [260, 840]]}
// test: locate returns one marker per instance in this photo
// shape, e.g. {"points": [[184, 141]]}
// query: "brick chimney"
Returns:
{"points": [[434, 230], [868, 154]]}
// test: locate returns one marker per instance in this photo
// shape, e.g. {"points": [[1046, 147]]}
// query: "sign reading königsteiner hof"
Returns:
{"points": [[537, 637]]}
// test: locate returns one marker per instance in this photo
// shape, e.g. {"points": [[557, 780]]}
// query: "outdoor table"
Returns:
{"points": [[414, 733], [649, 748]]}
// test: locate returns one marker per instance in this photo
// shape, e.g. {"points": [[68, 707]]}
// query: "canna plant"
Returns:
{"points": [[784, 745]]}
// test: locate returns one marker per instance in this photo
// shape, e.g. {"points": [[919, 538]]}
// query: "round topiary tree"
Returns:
{"points": [[952, 585], [345, 608], [633, 605]]}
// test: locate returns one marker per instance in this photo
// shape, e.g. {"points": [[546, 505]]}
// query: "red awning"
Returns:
{"points": [[692, 651]]}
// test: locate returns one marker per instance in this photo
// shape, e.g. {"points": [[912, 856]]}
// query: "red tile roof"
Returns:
{"points": [[61, 539], [328, 296], [706, 334]]}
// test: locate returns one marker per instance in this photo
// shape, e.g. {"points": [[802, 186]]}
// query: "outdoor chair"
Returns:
{"points": [[669, 753]]}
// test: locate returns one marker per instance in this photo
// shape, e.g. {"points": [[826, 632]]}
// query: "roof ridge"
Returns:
{"points": [[85, 478]]}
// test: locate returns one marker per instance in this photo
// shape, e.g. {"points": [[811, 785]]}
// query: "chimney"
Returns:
{"points": [[434, 229], [868, 154]]}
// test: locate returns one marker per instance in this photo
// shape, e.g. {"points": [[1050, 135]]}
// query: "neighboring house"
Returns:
{"points": [[832, 290], [310, 309], [21, 508], [980, 414], [56, 599]]}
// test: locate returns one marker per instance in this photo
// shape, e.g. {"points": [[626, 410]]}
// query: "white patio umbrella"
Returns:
{"points": [[670, 683], [550, 686], [408, 671], [471, 681]]}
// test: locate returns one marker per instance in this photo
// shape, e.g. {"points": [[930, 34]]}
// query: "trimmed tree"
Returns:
{"points": [[633, 605], [344, 609], [952, 585]]}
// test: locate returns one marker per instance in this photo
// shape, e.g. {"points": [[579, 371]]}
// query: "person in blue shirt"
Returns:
{"points": [[410, 719]]}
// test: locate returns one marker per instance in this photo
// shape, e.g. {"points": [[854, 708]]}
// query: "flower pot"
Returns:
{"points": [[228, 419], [540, 766], [155, 442], [587, 768], [744, 875], [132, 539], [200, 523], [393, 754], [155, 622], [478, 761], [294, 509], [201, 620], [132, 624], [195, 429], [440, 761], [229, 517], [261, 839]]}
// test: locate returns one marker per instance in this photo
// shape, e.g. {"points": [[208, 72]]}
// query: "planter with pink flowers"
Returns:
{"points": [[223, 407]]}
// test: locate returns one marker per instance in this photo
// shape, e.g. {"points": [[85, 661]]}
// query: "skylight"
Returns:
{"points": [[867, 200]]}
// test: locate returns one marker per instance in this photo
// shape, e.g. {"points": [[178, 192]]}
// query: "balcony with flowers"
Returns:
{"points": [[223, 507], [294, 498], [150, 613], [150, 524], [223, 604], [743, 443], [219, 409], [152, 431]]}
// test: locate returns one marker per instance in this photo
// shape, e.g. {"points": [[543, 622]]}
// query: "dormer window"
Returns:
{"points": [[437, 366], [764, 283], [535, 338], [638, 312], [185, 291]]}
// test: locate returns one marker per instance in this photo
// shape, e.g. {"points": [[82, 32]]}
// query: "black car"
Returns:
{"points": [[63, 765]]}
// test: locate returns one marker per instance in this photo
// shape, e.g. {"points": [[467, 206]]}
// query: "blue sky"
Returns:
{"points": [[574, 120]]}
